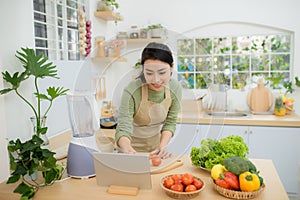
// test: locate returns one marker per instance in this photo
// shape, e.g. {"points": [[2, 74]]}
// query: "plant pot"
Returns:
{"points": [[156, 33], [101, 6], [44, 137]]}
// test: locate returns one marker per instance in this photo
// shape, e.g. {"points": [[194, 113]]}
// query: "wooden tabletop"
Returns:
{"points": [[70, 188]]}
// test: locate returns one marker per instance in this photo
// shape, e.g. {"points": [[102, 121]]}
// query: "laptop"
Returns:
{"points": [[130, 170]]}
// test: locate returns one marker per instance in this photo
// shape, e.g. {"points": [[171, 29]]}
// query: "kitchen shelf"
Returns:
{"points": [[109, 59], [143, 40], [108, 15]]}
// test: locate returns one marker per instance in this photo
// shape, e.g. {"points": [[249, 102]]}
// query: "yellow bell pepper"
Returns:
{"points": [[249, 182], [216, 170]]}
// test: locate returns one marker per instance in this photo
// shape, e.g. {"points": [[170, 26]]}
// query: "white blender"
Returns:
{"points": [[84, 121]]}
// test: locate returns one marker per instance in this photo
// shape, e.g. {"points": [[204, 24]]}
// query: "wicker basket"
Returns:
{"points": [[237, 194], [181, 195]]}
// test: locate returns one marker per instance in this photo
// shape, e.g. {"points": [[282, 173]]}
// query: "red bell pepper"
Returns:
{"points": [[228, 180]]}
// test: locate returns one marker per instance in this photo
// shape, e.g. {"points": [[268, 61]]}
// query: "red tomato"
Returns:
{"points": [[190, 188], [168, 182], [187, 179], [176, 177], [197, 183], [156, 160], [177, 187]]}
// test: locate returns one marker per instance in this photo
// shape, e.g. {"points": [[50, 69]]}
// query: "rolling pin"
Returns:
{"points": [[174, 165]]}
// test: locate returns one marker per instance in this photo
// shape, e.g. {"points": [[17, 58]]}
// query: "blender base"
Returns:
{"points": [[80, 163]]}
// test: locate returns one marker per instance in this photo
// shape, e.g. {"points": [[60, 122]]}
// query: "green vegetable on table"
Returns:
{"points": [[212, 151], [236, 165]]}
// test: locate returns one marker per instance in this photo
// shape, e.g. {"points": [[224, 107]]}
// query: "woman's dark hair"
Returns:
{"points": [[156, 51]]}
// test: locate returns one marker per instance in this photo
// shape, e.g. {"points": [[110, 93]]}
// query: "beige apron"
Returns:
{"points": [[148, 121]]}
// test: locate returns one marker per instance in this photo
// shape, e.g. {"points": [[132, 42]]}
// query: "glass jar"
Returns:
{"points": [[134, 33]]}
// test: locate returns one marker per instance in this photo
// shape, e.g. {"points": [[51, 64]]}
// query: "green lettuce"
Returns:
{"points": [[214, 151]]}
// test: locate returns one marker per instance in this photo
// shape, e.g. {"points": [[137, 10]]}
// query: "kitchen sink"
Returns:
{"points": [[227, 114]]}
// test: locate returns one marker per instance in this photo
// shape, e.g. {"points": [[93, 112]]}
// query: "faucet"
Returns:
{"points": [[224, 88], [226, 100]]}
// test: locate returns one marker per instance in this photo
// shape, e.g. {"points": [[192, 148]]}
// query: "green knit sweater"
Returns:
{"points": [[131, 99]]}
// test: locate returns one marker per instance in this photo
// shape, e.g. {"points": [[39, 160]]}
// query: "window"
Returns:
{"points": [[56, 28], [233, 60]]}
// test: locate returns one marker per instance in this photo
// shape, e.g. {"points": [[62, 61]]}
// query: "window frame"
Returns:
{"points": [[58, 44], [198, 35]]}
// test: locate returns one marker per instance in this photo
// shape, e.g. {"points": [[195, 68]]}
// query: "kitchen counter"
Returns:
{"points": [[193, 113], [292, 120], [88, 189]]}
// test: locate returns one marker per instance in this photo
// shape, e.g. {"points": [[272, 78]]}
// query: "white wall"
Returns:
{"points": [[4, 169]]}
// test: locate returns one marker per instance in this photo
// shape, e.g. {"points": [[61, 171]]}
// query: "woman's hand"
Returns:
{"points": [[162, 149], [125, 145], [161, 152]]}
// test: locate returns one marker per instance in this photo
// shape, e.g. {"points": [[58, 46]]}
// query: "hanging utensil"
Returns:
{"points": [[104, 88], [99, 89]]}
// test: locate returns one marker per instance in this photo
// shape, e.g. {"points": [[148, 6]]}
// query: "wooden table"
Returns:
{"points": [[88, 189]]}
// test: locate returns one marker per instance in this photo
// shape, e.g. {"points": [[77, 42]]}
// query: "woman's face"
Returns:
{"points": [[157, 74]]}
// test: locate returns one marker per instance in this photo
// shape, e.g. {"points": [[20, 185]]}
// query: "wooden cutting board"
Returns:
{"points": [[260, 98], [167, 165]]}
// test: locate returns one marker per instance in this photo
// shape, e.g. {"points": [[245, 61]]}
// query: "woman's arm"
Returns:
{"points": [[124, 144]]}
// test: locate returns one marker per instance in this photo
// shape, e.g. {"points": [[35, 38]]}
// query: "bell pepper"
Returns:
{"points": [[249, 182], [222, 183], [216, 170], [231, 180]]}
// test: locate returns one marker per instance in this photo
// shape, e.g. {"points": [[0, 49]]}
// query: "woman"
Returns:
{"points": [[150, 105]]}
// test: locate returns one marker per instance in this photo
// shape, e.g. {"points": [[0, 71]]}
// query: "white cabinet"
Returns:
{"points": [[280, 144], [185, 137]]}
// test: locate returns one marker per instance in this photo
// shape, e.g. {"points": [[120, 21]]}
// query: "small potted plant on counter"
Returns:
{"points": [[30, 158], [156, 30]]}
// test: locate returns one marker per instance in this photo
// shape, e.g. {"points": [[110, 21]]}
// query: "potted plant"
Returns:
{"points": [[29, 158], [289, 102], [105, 5], [156, 30]]}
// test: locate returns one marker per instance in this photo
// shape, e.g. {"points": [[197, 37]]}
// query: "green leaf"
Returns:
{"points": [[4, 91], [14, 80], [12, 162], [37, 140], [28, 194], [50, 176], [14, 178], [23, 188], [41, 96], [297, 81], [46, 153], [20, 169], [36, 65], [54, 92], [43, 130], [29, 146], [50, 162]]}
